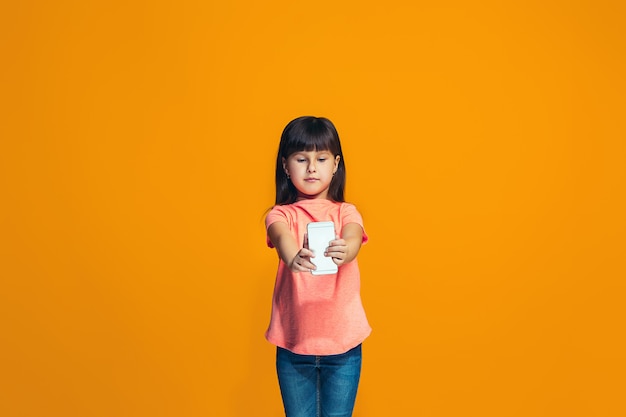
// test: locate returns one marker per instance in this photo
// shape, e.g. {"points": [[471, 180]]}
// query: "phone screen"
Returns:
{"points": [[320, 234]]}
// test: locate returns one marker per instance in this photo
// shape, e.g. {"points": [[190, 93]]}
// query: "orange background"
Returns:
{"points": [[485, 146]]}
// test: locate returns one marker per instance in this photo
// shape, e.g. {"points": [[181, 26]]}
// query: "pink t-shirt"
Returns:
{"points": [[317, 314]]}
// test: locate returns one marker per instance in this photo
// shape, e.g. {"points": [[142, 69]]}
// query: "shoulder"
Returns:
{"points": [[347, 205], [279, 213], [347, 209]]}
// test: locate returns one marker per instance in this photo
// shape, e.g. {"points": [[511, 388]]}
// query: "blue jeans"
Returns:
{"points": [[318, 386]]}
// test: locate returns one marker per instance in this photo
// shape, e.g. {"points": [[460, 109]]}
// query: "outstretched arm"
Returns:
{"points": [[345, 248], [296, 258]]}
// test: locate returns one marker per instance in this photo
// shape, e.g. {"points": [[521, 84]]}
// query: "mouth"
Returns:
{"points": [[310, 179]]}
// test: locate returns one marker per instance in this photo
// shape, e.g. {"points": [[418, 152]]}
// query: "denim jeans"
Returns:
{"points": [[318, 386]]}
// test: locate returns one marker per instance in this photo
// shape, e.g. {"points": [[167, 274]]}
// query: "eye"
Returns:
{"points": [[301, 160], [322, 159]]}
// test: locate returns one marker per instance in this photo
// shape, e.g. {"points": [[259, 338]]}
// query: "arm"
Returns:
{"points": [[346, 248], [297, 259]]}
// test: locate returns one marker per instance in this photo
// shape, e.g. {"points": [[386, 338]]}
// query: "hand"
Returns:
{"points": [[302, 261], [338, 250]]}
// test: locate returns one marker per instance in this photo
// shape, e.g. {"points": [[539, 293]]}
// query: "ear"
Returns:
{"points": [[337, 159], [285, 165]]}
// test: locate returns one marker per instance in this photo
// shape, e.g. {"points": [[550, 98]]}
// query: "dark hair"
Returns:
{"points": [[308, 133]]}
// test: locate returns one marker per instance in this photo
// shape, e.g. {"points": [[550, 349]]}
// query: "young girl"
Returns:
{"points": [[317, 321]]}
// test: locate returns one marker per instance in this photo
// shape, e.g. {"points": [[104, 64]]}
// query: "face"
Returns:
{"points": [[311, 172]]}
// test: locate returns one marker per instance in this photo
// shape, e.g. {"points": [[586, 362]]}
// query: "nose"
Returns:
{"points": [[311, 167]]}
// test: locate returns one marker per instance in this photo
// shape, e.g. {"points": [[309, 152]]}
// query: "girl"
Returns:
{"points": [[317, 322]]}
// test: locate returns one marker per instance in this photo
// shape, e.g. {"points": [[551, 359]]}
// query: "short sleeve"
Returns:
{"points": [[277, 214], [350, 214]]}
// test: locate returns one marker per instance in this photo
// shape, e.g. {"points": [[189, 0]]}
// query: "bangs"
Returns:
{"points": [[312, 137]]}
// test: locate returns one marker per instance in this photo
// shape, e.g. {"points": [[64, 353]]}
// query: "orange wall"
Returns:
{"points": [[485, 145]]}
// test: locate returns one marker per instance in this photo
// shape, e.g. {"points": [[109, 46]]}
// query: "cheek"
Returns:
{"points": [[292, 168]]}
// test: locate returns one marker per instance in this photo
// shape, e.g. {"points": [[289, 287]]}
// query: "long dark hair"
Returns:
{"points": [[308, 133]]}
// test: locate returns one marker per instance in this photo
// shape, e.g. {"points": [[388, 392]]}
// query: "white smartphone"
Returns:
{"points": [[320, 234]]}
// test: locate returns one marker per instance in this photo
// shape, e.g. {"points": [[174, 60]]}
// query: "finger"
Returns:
{"points": [[305, 243], [303, 264], [339, 256], [336, 250], [338, 242]]}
